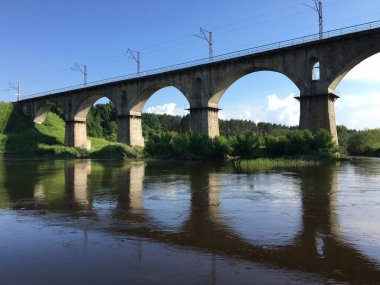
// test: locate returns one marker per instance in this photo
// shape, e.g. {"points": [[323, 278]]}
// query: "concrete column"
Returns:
{"points": [[76, 134], [204, 120], [129, 130], [317, 112]]}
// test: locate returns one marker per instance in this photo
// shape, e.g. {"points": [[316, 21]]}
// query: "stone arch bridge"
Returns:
{"points": [[203, 85]]}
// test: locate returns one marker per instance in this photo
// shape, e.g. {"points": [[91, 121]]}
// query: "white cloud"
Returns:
{"points": [[359, 111], [169, 109], [222, 116], [284, 111], [367, 70], [275, 110]]}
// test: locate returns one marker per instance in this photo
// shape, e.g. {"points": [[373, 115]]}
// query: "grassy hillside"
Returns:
{"points": [[21, 137]]}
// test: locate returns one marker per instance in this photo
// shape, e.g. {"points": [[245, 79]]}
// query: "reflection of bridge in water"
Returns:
{"points": [[317, 248]]}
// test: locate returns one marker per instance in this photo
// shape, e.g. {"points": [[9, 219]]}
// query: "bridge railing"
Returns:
{"points": [[225, 56]]}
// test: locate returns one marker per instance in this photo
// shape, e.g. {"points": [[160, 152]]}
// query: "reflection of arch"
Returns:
{"points": [[227, 81], [145, 94], [332, 258], [348, 65]]}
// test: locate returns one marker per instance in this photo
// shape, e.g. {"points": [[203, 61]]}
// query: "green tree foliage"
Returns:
{"points": [[195, 146], [186, 146], [150, 124], [101, 122], [240, 127], [168, 136], [323, 141], [247, 145], [365, 143], [344, 135]]}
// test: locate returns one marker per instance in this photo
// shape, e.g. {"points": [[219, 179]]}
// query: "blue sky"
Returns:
{"points": [[41, 40]]}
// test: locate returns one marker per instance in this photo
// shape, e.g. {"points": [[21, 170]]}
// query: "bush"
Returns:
{"points": [[248, 145], [364, 143], [322, 141]]}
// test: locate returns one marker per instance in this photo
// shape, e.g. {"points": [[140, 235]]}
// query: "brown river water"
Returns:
{"points": [[94, 222]]}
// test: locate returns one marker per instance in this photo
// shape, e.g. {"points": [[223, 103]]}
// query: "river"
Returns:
{"points": [[102, 222]]}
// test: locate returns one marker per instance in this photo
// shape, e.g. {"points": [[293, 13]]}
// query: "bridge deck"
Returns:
{"points": [[314, 38]]}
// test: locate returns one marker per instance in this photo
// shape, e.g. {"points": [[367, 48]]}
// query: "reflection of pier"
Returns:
{"points": [[317, 248], [76, 176]]}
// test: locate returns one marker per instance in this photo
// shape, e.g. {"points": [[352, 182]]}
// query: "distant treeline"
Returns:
{"points": [[102, 123]]}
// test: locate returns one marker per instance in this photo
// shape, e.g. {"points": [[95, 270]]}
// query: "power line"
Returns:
{"points": [[180, 41], [83, 71], [208, 38]]}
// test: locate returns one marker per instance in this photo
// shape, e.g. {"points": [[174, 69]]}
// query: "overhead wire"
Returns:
{"points": [[153, 48], [165, 45]]}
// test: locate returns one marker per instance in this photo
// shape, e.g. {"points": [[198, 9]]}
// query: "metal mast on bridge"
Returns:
{"points": [[16, 87], [318, 8], [135, 55], [208, 39], [83, 71]]}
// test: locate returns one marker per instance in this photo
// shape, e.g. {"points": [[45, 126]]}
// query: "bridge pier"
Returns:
{"points": [[76, 134], [317, 112], [204, 120], [129, 130]]}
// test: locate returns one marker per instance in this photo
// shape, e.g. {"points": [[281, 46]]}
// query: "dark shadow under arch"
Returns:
{"points": [[45, 108]]}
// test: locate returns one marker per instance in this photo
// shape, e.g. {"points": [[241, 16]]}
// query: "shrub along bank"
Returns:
{"points": [[295, 143], [366, 143]]}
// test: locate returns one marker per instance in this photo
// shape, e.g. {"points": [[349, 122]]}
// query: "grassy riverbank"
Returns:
{"points": [[21, 137]]}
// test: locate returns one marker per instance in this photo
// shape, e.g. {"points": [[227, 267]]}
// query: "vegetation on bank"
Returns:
{"points": [[194, 146], [168, 137], [265, 164], [102, 124], [365, 143], [21, 137]]}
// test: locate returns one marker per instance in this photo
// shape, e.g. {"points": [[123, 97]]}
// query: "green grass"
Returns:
{"points": [[265, 164], [21, 137]]}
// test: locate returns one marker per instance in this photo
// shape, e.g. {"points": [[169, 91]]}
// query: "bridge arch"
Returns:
{"points": [[134, 120], [148, 92], [252, 96], [76, 114], [347, 65], [359, 97], [225, 82], [80, 112]]}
